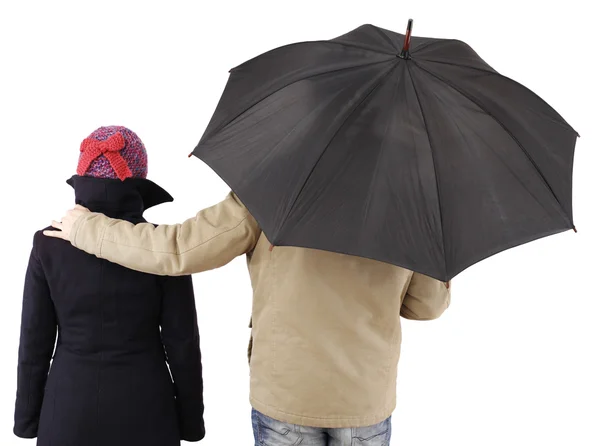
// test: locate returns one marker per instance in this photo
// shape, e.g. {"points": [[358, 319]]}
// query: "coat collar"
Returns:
{"points": [[118, 199]]}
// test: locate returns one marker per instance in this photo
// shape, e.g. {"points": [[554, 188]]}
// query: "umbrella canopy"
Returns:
{"points": [[426, 158]]}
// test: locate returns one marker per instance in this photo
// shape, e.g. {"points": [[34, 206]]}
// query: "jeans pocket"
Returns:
{"points": [[375, 435], [270, 432]]}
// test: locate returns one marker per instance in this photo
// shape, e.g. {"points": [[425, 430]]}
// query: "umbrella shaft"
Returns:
{"points": [[405, 54]]}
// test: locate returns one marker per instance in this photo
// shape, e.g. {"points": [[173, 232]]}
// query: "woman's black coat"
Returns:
{"points": [[109, 384]]}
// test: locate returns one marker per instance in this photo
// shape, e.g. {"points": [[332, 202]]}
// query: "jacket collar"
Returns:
{"points": [[126, 200]]}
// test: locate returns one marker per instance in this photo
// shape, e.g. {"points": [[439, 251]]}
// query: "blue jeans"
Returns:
{"points": [[270, 432]]}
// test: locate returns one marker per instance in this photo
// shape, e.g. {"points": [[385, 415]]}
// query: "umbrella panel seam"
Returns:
{"points": [[437, 185], [519, 144], [255, 103], [359, 103], [563, 124]]}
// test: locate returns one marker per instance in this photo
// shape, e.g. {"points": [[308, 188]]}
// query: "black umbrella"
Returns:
{"points": [[423, 156]]}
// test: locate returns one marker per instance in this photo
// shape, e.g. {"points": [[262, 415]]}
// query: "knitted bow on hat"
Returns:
{"points": [[91, 149]]}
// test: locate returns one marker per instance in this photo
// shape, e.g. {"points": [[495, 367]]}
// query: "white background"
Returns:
{"points": [[514, 361]]}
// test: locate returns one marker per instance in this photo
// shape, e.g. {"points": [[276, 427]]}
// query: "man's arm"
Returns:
{"points": [[211, 239], [426, 298]]}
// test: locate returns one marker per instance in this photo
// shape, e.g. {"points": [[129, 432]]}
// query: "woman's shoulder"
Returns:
{"points": [[43, 244]]}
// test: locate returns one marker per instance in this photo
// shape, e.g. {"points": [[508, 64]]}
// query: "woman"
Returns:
{"points": [[109, 384]]}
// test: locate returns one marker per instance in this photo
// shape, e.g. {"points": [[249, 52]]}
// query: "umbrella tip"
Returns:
{"points": [[404, 54], [190, 155], [575, 229]]}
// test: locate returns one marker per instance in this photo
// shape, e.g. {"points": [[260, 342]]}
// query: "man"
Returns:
{"points": [[325, 327]]}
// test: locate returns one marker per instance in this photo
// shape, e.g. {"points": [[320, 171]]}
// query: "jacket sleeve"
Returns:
{"points": [[38, 334], [426, 299], [210, 240], [179, 332]]}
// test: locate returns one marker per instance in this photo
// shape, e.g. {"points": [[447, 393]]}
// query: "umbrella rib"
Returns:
{"points": [[437, 184], [356, 107], [490, 71], [254, 103], [427, 45], [379, 155], [361, 47], [485, 110], [312, 42], [385, 36], [564, 124]]}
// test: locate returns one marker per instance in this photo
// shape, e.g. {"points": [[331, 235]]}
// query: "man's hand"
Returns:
{"points": [[66, 224]]}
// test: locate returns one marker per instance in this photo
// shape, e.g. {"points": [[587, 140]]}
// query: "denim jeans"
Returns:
{"points": [[270, 432]]}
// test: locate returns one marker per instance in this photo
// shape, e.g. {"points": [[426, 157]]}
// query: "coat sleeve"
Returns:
{"points": [[213, 238], [426, 298], [179, 332], [38, 335]]}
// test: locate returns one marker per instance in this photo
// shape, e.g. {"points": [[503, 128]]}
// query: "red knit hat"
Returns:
{"points": [[113, 152]]}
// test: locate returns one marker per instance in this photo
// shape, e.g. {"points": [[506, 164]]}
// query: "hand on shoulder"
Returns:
{"points": [[65, 225]]}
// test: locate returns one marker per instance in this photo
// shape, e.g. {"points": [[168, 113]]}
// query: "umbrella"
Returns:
{"points": [[407, 150]]}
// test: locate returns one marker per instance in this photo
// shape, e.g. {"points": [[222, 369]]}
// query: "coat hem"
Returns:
{"points": [[322, 422]]}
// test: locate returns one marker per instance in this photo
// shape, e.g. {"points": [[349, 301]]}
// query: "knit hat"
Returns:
{"points": [[113, 152]]}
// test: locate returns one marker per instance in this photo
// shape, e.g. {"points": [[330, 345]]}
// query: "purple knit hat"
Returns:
{"points": [[113, 152]]}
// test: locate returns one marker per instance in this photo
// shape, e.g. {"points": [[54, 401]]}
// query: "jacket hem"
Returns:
{"points": [[25, 433], [322, 422]]}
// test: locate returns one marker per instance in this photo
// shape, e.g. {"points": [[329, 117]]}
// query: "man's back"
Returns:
{"points": [[326, 334]]}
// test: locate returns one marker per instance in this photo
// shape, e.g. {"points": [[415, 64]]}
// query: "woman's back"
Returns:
{"points": [[109, 383], [102, 308]]}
